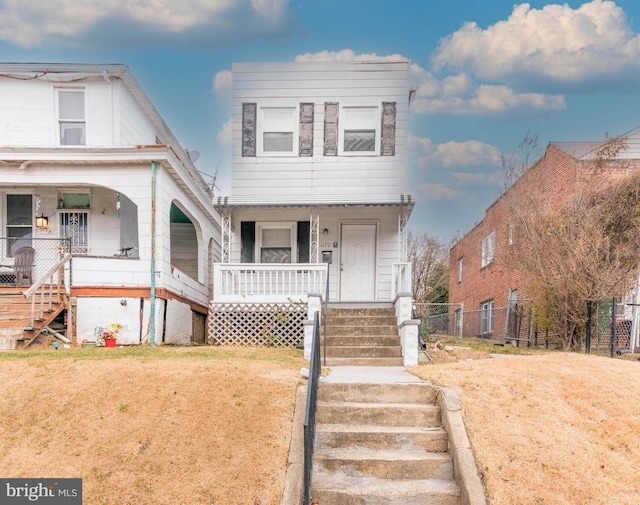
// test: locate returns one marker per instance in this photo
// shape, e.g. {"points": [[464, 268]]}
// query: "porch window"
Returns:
{"points": [[275, 242], [278, 130], [71, 117], [486, 313], [19, 224], [276, 245], [359, 128]]}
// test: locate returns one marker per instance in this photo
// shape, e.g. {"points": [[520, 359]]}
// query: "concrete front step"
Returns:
{"points": [[361, 311], [381, 414], [359, 490], [371, 320], [364, 362], [363, 340], [360, 330], [364, 352], [386, 464], [333, 436], [421, 393]]}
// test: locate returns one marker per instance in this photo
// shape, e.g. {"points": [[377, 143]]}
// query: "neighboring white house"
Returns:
{"points": [[83, 146], [318, 174]]}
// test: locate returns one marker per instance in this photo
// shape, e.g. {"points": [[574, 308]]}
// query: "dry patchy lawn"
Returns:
{"points": [[548, 429], [152, 426]]}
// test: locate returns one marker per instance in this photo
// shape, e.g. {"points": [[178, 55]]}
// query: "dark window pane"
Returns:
{"points": [[275, 255]]}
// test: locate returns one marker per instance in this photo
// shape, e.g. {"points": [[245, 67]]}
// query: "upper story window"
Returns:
{"points": [[278, 130], [488, 248], [359, 130], [460, 261], [71, 117]]}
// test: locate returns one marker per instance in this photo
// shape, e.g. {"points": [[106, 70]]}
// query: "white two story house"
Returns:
{"points": [[94, 183], [318, 176]]}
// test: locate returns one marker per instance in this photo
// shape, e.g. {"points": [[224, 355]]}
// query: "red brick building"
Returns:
{"points": [[477, 279]]}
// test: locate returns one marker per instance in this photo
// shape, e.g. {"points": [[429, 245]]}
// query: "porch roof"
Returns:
{"points": [[226, 202]]}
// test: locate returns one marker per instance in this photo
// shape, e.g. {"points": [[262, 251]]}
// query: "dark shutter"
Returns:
{"points": [[388, 141], [330, 129], [306, 129], [304, 230], [248, 242], [249, 129]]}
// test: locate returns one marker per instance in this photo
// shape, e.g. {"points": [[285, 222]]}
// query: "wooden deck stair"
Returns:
{"points": [[15, 316]]}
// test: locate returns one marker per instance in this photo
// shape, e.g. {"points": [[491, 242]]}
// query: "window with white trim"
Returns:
{"points": [[276, 242], [488, 248], [72, 126], [460, 261], [486, 321], [278, 131], [359, 128]]}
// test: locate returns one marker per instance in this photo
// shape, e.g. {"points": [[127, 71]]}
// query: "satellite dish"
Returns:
{"points": [[193, 155]]}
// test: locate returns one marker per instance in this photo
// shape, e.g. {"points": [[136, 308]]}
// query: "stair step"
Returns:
{"points": [[364, 352], [383, 414], [386, 464], [359, 330], [421, 393], [371, 320], [362, 340], [381, 437], [364, 361], [359, 490]]}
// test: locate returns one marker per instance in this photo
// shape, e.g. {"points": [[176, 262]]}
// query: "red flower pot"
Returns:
{"points": [[109, 342]]}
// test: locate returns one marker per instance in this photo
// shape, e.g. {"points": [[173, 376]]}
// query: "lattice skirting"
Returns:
{"points": [[258, 324]]}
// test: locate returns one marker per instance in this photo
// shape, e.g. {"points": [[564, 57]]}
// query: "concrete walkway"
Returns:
{"points": [[370, 375]]}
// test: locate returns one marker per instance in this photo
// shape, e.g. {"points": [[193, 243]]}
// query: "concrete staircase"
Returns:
{"points": [[380, 443], [16, 329], [362, 336]]}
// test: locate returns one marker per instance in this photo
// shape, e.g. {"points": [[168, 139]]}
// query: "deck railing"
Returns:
{"points": [[244, 282]]}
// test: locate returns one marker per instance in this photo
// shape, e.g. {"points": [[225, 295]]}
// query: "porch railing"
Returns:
{"points": [[50, 285], [242, 282], [401, 279]]}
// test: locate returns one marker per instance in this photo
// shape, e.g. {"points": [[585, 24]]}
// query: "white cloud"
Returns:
{"points": [[455, 94], [225, 135], [475, 180], [557, 43], [223, 84], [205, 23], [438, 191], [347, 55], [471, 153]]}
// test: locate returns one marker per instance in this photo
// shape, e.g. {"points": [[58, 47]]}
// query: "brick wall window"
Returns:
{"points": [[486, 317], [460, 261], [488, 248]]}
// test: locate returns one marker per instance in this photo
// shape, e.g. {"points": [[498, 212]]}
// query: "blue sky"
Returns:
{"points": [[486, 72]]}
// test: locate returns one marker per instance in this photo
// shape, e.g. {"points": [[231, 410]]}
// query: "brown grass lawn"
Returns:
{"points": [[549, 429], [152, 426], [213, 425]]}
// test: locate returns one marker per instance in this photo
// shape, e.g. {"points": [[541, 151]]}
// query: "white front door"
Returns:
{"points": [[358, 262]]}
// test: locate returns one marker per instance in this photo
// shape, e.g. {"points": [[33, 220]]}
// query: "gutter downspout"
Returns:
{"points": [[152, 296]]}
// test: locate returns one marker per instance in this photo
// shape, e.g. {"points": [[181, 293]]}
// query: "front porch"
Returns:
{"points": [[274, 305]]}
